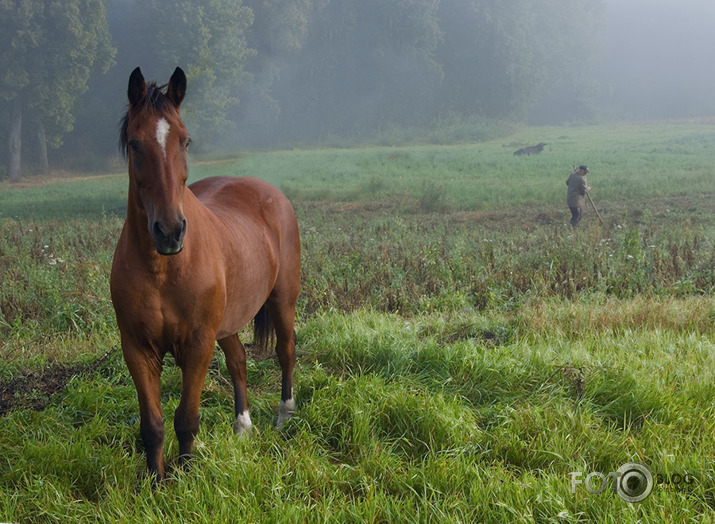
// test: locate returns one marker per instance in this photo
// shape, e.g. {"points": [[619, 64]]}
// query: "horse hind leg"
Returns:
{"points": [[282, 313], [286, 408], [281, 306], [236, 364]]}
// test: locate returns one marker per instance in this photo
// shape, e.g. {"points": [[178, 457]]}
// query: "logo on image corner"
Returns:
{"points": [[632, 482]]}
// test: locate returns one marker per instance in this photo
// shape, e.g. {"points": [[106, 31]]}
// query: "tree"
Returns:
{"points": [[280, 26], [278, 34], [499, 58], [207, 38], [345, 67], [49, 49], [18, 39]]}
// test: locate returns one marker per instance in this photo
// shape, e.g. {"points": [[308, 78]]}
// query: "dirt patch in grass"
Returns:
{"points": [[35, 389]]}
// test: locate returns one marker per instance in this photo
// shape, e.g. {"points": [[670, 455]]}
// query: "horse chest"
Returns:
{"points": [[166, 304]]}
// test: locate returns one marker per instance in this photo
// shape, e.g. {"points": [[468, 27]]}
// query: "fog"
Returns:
{"points": [[651, 59], [274, 73], [659, 59]]}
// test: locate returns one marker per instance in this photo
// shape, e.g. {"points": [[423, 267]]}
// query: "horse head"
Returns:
{"points": [[155, 142]]}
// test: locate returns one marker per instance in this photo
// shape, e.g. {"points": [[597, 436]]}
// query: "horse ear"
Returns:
{"points": [[137, 88], [177, 87]]}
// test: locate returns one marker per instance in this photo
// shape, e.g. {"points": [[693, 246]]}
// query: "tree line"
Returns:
{"points": [[269, 72]]}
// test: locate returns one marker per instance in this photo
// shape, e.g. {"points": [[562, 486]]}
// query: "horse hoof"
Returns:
{"points": [[242, 425], [286, 410]]}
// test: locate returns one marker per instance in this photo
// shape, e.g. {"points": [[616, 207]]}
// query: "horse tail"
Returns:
{"points": [[263, 332]]}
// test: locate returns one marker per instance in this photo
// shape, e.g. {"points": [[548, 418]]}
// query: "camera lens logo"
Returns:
{"points": [[634, 482]]}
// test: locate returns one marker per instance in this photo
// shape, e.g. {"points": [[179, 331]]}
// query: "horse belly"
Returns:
{"points": [[246, 295]]}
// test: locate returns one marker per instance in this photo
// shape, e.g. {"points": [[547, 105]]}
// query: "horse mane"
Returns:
{"points": [[154, 100]]}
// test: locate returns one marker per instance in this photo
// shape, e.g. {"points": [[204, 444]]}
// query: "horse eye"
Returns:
{"points": [[187, 143]]}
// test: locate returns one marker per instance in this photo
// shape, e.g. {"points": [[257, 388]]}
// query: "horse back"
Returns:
{"points": [[244, 202]]}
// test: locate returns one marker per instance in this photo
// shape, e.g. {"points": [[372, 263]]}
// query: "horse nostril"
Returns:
{"points": [[156, 229], [179, 231]]}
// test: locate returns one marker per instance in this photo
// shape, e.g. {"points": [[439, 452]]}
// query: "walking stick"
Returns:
{"points": [[594, 208]]}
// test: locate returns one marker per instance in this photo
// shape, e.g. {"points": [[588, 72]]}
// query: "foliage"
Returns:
{"points": [[205, 38], [268, 72], [49, 49], [360, 65], [280, 26], [500, 58], [208, 39], [345, 68]]}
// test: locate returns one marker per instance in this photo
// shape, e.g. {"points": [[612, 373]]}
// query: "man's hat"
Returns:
{"points": [[583, 168]]}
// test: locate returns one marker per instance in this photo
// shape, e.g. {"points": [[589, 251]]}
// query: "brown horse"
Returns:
{"points": [[194, 265]]}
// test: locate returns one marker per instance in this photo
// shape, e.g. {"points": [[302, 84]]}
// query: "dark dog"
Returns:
{"points": [[531, 150]]}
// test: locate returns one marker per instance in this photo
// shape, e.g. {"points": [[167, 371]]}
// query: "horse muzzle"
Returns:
{"points": [[168, 238]]}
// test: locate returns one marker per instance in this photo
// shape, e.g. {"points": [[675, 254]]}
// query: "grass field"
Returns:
{"points": [[461, 350]]}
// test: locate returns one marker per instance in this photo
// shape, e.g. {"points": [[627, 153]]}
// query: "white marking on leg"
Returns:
{"points": [[242, 425], [286, 410], [162, 130]]}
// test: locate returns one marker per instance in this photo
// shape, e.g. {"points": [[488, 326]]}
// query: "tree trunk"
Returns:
{"points": [[15, 142], [42, 139]]}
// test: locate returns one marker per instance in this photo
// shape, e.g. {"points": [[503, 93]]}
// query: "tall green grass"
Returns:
{"points": [[393, 423], [461, 350]]}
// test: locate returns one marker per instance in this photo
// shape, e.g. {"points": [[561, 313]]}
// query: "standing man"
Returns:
{"points": [[577, 190]]}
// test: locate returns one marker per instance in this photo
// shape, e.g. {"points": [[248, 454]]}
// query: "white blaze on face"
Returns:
{"points": [[162, 130]]}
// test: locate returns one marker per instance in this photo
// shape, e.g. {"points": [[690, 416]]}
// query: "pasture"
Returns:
{"points": [[461, 350]]}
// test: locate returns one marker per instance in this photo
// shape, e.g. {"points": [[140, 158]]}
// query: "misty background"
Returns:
{"points": [[282, 73]]}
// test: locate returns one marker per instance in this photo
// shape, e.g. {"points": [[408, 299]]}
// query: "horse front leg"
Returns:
{"points": [[194, 363], [145, 369]]}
